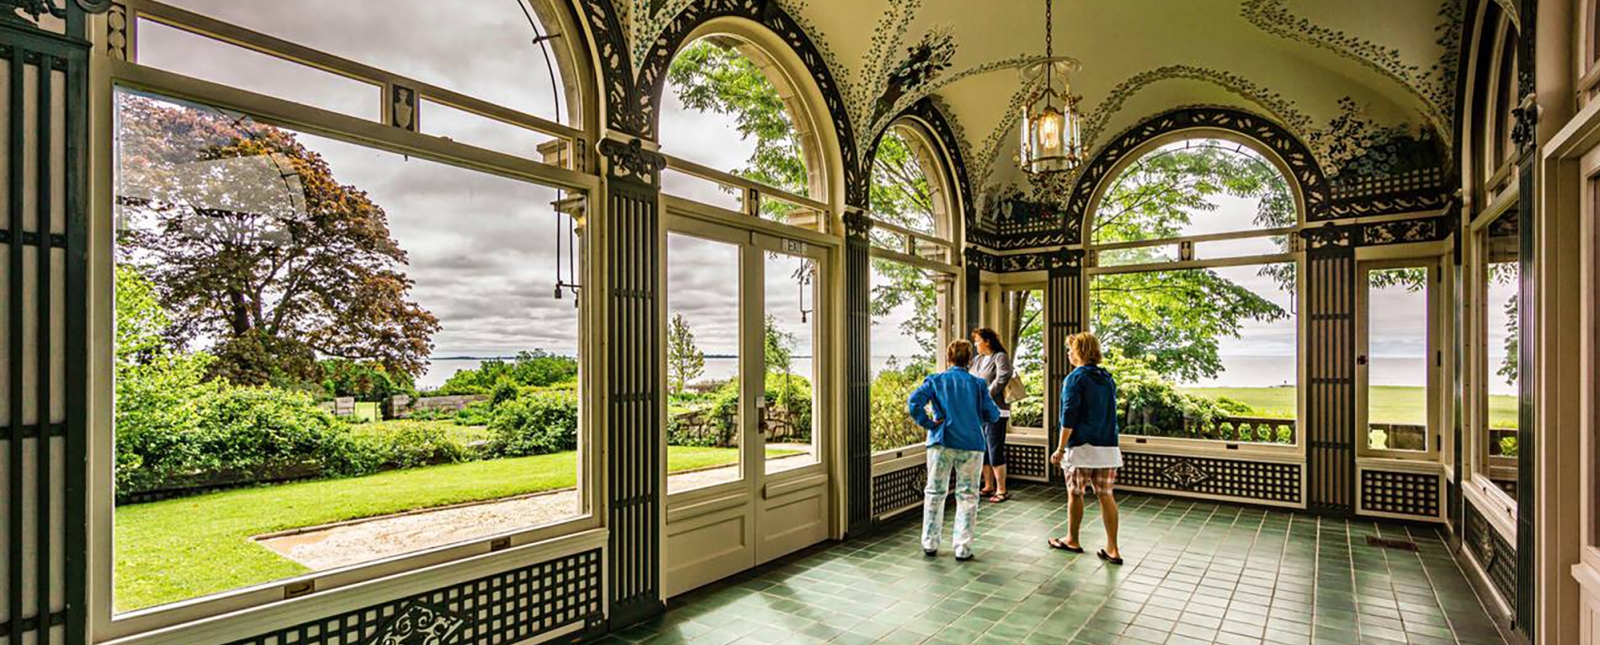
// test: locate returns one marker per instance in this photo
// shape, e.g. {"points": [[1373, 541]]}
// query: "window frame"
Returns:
{"points": [[1294, 452], [404, 573], [1496, 506], [1434, 383], [927, 151]]}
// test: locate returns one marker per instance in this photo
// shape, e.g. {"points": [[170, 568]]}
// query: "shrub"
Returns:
{"points": [[534, 424], [224, 435], [477, 413], [528, 368], [1028, 412], [892, 426], [410, 445], [504, 390], [366, 380]]}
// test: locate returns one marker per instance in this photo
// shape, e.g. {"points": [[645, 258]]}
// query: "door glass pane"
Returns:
{"points": [[702, 363], [1025, 316], [788, 343], [1397, 359]]}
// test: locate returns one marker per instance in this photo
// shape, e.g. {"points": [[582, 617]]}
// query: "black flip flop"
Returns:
{"points": [[1107, 557], [1057, 543]]}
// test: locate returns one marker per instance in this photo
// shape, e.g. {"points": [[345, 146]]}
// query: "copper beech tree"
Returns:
{"points": [[258, 251]]}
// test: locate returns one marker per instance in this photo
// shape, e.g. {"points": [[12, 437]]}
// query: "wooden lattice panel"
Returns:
{"points": [[1027, 461], [898, 489], [1415, 494], [507, 607], [1248, 480]]}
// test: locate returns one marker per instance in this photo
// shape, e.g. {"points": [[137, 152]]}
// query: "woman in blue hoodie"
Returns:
{"points": [[1088, 450], [961, 406]]}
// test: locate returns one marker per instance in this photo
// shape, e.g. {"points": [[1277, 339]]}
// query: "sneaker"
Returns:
{"points": [[930, 552], [963, 556]]}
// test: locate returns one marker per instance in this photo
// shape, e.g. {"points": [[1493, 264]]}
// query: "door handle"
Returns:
{"points": [[1361, 360]]}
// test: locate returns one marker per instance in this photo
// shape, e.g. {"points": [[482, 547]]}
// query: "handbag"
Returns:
{"points": [[1015, 391]]}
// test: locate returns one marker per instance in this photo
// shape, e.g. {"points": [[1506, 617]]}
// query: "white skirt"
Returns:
{"points": [[1093, 457]]}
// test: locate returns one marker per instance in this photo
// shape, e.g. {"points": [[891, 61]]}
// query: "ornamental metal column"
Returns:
{"points": [[1064, 305], [44, 265], [1330, 427], [858, 370], [631, 230]]}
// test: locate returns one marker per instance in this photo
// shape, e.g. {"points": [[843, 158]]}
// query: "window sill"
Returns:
{"points": [[218, 619], [1275, 452]]}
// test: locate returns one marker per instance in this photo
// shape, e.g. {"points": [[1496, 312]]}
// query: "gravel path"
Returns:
{"points": [[360, 541]]}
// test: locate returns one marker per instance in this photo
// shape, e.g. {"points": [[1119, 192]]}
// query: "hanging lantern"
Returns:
{"points": [[1051, 131]]}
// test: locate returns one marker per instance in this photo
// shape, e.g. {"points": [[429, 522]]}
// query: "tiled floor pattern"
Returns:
{"points": [[1196, 572]]}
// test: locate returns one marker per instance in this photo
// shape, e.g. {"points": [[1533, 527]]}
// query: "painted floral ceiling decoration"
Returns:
{"points": [[1368, 85]]}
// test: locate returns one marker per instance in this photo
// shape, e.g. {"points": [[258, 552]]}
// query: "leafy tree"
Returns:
{"points": [[537, 368], [364, 380], [778, 346], [1175, 319], [256, 248], [685, 361]]}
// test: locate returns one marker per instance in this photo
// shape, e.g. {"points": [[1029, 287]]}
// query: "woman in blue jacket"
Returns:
{"points": [[1088, 450], [961, 406]]}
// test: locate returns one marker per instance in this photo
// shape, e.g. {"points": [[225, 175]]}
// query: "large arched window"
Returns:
{"points": [[913, 281], [349, 326], [1494, 279], [1193, 291], [738, 134]]}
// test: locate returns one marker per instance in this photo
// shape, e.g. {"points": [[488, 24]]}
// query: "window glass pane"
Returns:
{"points": [[901, 193], [472, 129], [721, 110], [905, 346], [703, 310], [1140, 255], [1239, 248], [705, 191], [1025, 313], [1501, 338], [481, 49], [1202, 353], [788, 342], [326, 354], [176, 50], [1397, 359], [1193, 187]]}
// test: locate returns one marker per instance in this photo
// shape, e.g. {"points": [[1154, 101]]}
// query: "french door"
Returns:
{"points": [[747, 429]]}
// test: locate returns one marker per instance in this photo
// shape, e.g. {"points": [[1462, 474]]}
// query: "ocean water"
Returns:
{"points": [[1238, 371]]}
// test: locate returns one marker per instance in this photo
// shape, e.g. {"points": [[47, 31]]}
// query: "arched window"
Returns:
{"points": [[347, 277], [1493, 279], [913, 281], [738, 134], [1193, 290]]}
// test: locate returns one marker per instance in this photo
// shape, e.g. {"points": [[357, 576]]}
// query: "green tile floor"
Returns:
{"points": [[1196, 572]]}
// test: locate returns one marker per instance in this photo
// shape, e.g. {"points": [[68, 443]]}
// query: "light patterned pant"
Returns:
{"points": [[968, 466]]}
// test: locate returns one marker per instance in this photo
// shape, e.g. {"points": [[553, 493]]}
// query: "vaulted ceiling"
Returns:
{"points": [[1328, 72]]}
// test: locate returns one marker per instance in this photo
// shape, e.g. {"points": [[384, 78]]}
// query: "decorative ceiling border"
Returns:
{"points": [[1097, 118], [1434, 87]]}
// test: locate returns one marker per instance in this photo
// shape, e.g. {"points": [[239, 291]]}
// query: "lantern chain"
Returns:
{"points": [[1049, 38]]}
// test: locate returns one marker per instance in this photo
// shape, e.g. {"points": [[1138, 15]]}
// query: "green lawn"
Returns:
{"points": [[193, 546], [1392, 404]]}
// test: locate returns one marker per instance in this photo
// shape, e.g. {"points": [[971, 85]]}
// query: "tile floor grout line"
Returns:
{"points": [[1107, 598]]}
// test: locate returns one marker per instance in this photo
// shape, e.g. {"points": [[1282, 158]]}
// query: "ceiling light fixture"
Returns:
{"points": [[1052, 139]]}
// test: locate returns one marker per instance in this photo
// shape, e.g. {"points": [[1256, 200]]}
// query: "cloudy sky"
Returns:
{"points": [[482, 248]]}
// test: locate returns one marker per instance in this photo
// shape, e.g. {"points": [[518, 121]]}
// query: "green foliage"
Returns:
{"points": [[236, 434], [1028, 412], [476, 413], [1177, 317], [411, 445], [685, 361], [505, 390], [141, 322], [710, 75], [534, 423], [364, 380], [892, 427], [537, 367], [778, 346]]}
